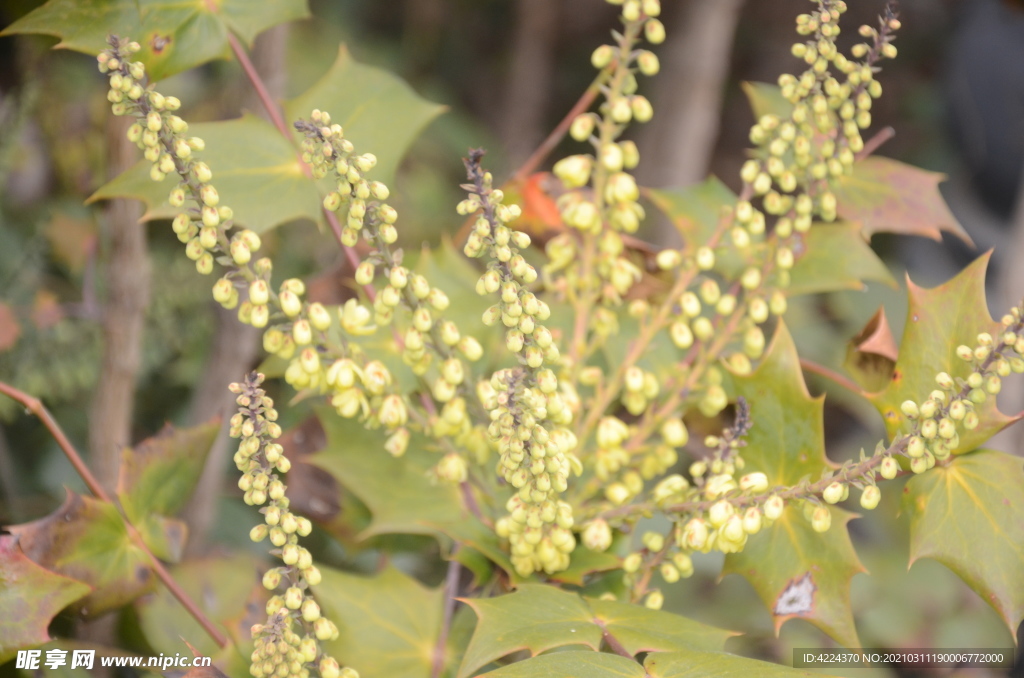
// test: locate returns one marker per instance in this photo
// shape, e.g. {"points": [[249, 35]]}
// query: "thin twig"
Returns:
{"points": [[37, 408], [451, 586], [613, 642], [872, 144], [278, 119], [832, 375], [555, 137]]}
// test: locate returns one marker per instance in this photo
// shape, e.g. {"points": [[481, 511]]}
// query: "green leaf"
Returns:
{"points": [[380, 113], [537, 618], [257, 172], [221, 586], [175, 36], [30, 596], [571, 665], [893, 197], [388, 624], [719, 664], [695, 210], [836, 257], [939, 320], [158, 476], [87, 540], [398, 492], [534, 618], [969, 516], [640, 629], [766, 99], [789, 558]]}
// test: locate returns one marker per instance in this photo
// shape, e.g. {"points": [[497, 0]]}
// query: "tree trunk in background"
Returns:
{"points": [[124, 311], [676, 146], [529, 81], [235, 346]]}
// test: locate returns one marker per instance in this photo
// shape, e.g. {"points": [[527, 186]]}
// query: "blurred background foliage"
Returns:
{"points": [[507, 70]]}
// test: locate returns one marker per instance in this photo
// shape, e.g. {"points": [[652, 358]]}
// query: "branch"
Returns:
{"points": [[611, 640], [36, 407], [873, 144], [451, 585], [832, 375], [275, 115], [555, 137]]}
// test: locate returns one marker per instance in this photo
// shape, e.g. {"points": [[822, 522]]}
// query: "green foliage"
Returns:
{"points": [[938, 321], [175, 36], [579, 376], [974, 506], [388, 624]]}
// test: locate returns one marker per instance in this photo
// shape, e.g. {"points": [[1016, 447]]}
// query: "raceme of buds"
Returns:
{"points": [[295, 626]]}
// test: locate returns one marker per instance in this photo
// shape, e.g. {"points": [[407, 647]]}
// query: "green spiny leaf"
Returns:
{"points": [[571, 665], [174, 36], [388, 624], [939, 320], [398, 492], [796, 571], [766, 99], [969, 516], [379, 113], [836, 257]]}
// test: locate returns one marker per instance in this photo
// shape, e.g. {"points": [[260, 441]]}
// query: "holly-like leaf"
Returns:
{"points": [[872, 354], [379, 113], [158, 476], [30, 596], [534, 618], [257, 172], [696, 210], [835, 257], [718, 664], [969, 516], [883, 195], [221, 586], [398, 492], [639, 629], [87, 540], [766, 99], [538, 618], [571, 665], [388, 624], [939, 320], [796, 571], [175, 36]]}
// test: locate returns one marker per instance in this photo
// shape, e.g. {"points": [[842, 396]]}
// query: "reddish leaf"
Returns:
{"points": [[86, 539], [872, 354], [30, 596], [893, 197], [10, 329]]}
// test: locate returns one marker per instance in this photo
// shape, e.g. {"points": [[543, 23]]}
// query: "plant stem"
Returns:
{"points": [[613, 642], [832, 375], [451, 586], [555, 137], [278, 119], [36, 407]]}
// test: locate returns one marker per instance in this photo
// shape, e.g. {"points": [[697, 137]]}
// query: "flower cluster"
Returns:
{"points": [[288, 643], [527, 411]]}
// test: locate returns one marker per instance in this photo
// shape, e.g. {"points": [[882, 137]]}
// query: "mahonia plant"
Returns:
{"points": [[583, 451]]}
